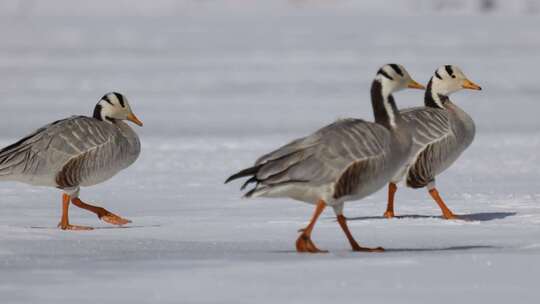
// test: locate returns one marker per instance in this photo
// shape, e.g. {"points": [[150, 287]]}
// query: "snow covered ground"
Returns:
{"points": [[217, 90]]}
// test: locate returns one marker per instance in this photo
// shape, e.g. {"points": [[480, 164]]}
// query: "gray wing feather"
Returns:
{"points": [[434, 144], [81, 140], [291, 148], [325, 155]]}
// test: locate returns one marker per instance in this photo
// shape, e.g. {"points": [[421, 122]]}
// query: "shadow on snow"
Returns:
{"points": [[390, 250], [473, 217], [452, 248]]}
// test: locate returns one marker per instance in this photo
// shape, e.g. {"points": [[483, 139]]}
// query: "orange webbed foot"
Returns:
{"points": [[358, 248], [114, 219], [305, 244]]}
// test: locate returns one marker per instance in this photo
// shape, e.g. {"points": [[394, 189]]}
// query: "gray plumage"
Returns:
{"points": [[439, 137], [73, 152], [346, 160]]}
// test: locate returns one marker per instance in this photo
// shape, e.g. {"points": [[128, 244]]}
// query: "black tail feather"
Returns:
{"points": [[249, 181], [246, 172]]}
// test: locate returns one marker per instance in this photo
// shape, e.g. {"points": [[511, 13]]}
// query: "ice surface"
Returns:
{"points": [[218, 90]]}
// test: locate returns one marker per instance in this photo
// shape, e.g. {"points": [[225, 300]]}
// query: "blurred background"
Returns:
{"points": [[240, 68]]}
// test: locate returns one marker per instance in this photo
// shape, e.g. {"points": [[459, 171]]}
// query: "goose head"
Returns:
{"points": [[115, 106], [389, 79], [449, 79], [394, 77], [446, 80]]}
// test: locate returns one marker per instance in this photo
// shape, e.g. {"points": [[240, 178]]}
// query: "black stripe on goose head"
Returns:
{"points": [[383, 73], [120, 98], [450, 71], [107, 99], [396, 68], [437, 75]]}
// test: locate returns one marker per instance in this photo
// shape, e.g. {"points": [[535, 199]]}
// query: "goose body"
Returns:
{"points": [[441, 132], [344, 161], [75, 152], [69, 153]]}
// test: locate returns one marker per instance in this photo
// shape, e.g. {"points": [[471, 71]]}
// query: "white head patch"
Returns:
{"points": [[447, 80], [113, 106]]}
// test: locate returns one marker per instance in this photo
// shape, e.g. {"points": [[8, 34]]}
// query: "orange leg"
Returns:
{"points": [[304, 242], [64, 221], [447, 213], [102, 213], [392, 188], [355, 247]]}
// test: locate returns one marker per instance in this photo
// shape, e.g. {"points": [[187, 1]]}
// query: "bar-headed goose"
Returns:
{"points": [[441, 132], [344, 161], [74, 152]]}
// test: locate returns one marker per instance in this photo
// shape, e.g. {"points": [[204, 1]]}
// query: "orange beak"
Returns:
{"points": [[131, 117], [467, 84], [415, 85]]}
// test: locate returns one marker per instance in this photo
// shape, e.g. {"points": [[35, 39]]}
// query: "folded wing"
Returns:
{"points": [[338, 153], [434, 144], [42, 155]]}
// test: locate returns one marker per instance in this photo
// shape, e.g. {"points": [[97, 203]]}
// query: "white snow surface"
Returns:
{"points": [[216, 91]]}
